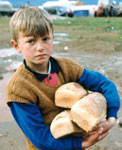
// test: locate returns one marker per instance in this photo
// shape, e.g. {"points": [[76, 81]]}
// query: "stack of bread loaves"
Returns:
{"points": [[84, 111]]}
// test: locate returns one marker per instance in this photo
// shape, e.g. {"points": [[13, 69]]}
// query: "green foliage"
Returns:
{"points": [[89, 23], [101, 29]]}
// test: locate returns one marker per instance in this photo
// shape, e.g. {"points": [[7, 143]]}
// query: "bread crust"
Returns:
{"points": [[83, 110], [89, 111], [68, 94], [62, 125]]}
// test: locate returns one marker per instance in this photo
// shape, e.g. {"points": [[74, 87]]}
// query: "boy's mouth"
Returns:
{"points": [[41, 55]]}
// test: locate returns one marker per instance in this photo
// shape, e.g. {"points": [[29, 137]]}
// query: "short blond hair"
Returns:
{"points": [[31, 21]]}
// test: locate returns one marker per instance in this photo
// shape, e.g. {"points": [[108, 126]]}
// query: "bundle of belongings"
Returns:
{"points": [[82, 110]]}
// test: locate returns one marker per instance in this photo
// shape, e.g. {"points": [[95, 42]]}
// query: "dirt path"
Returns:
{"points": [[10, 136], [110, 65], [87, 48]]}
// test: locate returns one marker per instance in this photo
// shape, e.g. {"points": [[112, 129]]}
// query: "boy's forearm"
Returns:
{"points": [[95, 81], [111, 121], [37, 132]]}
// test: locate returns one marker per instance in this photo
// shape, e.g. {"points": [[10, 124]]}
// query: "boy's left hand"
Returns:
{"points": [[106, 126]]}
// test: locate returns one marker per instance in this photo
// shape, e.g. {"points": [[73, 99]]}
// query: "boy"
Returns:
{"points": [[30, 91]]}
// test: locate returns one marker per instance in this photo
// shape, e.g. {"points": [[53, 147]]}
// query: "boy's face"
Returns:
{"points": [[36, 50]]}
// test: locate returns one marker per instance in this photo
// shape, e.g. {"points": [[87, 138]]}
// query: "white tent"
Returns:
{"points": [[60, 7]]}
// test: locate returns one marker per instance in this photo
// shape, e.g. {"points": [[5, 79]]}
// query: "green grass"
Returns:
{"points": [[91, 23], [4, 32], [93, 29], [101, 29], [4, 24]]}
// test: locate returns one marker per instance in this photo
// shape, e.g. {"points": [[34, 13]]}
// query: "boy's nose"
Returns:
{"points": [[40, 46]]}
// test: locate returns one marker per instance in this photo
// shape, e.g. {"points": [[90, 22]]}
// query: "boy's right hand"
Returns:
{"points": [[93, 137]]}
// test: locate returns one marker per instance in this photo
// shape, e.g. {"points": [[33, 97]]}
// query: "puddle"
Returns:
{"points": [[10, 59], [60, 38], [13, 66], [60, 34], [118, 143], [56, 42], [60, 55], [8, 52]]}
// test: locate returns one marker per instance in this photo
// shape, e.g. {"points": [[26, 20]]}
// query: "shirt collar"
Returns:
{"points": [[49, 67], [53, 68]]}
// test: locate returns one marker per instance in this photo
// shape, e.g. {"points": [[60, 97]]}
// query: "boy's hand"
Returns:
{"points": [[93, 137], [107, 125], [99, 132]]}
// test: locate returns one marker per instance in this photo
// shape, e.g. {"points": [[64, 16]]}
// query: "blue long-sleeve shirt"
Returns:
{"points": [[97, 82], [32, 124]]}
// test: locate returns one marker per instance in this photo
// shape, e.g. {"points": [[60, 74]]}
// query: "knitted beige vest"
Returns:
{"points": [[23, 87]]}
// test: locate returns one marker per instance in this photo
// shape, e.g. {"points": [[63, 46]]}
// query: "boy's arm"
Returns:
{"points": [[31, 122], [29, 119], [97, 82]]}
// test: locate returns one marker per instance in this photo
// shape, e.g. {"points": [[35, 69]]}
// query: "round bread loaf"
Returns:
{"points": [[68, 94], [89, 111], [62, 125]]}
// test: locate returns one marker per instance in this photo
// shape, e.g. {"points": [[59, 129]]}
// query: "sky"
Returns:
{"points": [[18, 3]]}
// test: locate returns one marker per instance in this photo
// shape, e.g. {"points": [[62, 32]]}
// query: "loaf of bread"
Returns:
{"points": [[68, 94], [89, 111], [85, 110], [62, 125]]}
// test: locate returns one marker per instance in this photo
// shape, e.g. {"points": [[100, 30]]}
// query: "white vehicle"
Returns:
{"points": [[6, 8], [119, 10], [69, 8], [84, 10], [60, 7]]}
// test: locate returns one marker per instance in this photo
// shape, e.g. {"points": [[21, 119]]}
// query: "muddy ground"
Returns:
{"points": [[100, 56]]}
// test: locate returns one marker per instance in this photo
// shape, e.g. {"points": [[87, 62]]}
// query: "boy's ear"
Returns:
{"points": [[15, 45]]}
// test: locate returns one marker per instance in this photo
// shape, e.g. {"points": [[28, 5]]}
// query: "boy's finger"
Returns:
{"points": [[95, 136], [102, 136]]}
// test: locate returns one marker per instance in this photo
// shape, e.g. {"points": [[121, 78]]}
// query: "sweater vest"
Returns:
{"points": [[24, 87]]}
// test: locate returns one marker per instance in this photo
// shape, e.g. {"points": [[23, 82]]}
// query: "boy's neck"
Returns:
{"points": [[42, 69]]}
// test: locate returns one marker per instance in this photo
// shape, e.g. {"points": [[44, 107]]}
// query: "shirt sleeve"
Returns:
{"points": [[30, 121], [97, 82]]}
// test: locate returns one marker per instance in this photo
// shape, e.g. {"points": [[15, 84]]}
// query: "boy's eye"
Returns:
{"points": [[31, 41], [46, 39]]}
